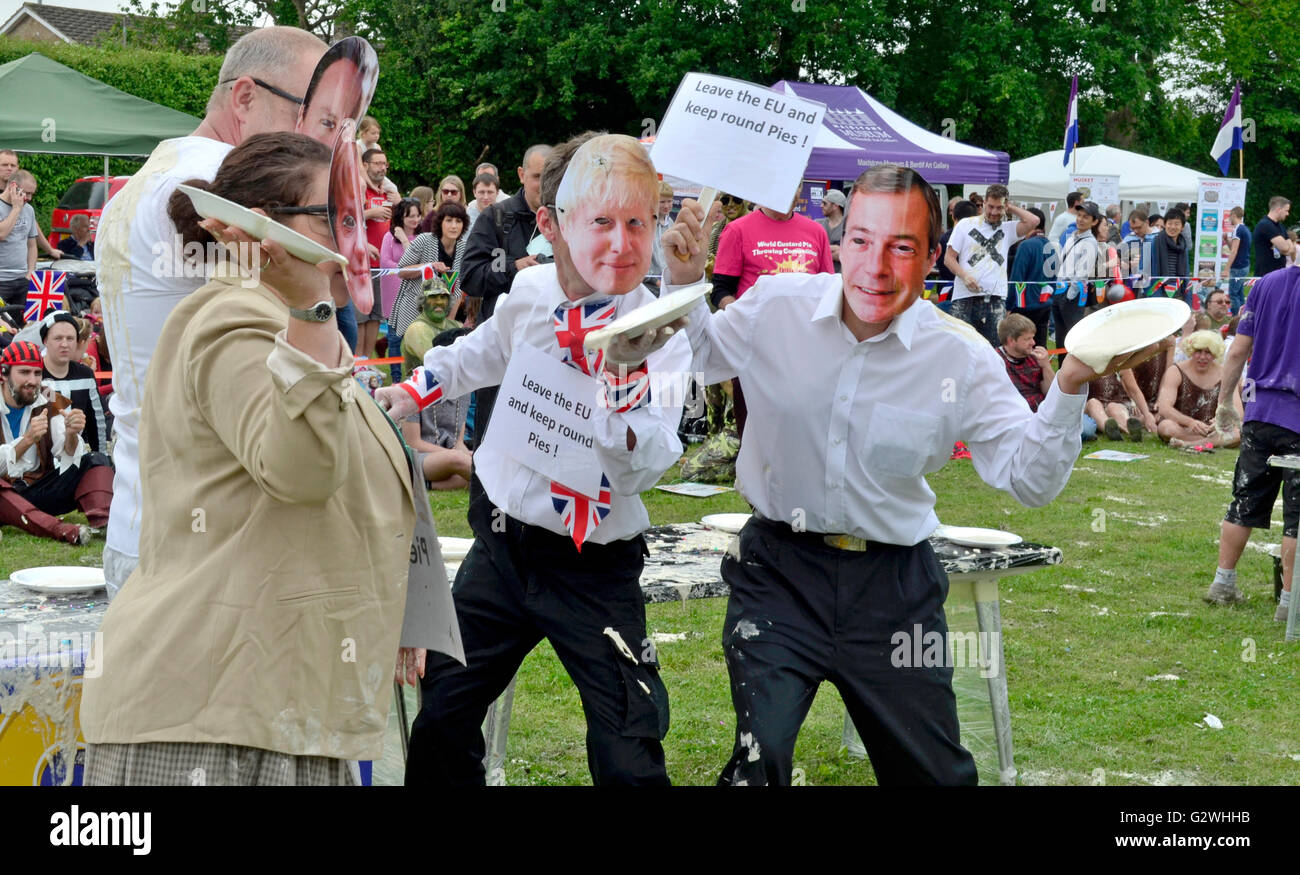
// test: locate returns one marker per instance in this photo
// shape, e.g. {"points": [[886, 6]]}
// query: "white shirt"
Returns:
{"points": [[841, 433], [989, 263], [141, 278], [1060, 223], [526, 316], [14, 466]]}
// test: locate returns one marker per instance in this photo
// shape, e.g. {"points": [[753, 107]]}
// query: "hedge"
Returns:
{"points": [[182, 82]]}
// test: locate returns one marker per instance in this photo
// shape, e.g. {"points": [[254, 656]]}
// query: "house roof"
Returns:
{"points": [[73, 25], [82, 26]]}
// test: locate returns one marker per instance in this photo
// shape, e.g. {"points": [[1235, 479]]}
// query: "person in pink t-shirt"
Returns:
{"points": [[761, 243]]}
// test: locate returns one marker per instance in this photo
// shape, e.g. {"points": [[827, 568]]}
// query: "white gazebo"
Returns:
{"points": [[1141, 178]]}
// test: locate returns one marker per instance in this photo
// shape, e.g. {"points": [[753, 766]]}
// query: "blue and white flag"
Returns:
{"points": [[1072, 122], [1229, 138]]}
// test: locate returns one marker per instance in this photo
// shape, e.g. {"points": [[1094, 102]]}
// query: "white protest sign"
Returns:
{"points": [[542, 419], [738, 137]]}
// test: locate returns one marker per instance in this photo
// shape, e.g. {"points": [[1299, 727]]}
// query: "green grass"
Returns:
{"points": [[1081, 640]]}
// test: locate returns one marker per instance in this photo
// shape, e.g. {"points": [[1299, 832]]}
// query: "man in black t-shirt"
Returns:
{"points": [[72, 379], [1272, 245]]}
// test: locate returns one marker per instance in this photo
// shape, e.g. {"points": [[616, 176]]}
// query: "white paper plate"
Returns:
{"points": [[972, 537], [731, 523], [660, 311], [455, 549], [60, 579], [1102, 335], [211, 206]]}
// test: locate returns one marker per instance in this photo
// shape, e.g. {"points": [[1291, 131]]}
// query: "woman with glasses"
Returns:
{"points": [[450, 190], [439, 246], [254, 642]]}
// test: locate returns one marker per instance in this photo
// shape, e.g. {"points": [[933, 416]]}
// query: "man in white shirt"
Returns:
{"points": [[1063, 220], [141, 271], [547, 561], [860, 389], [977, 257]]}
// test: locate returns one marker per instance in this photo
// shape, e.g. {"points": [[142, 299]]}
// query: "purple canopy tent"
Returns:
{"points": [[860, 132]]}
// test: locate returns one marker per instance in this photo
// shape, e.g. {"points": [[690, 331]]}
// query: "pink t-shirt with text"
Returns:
{"points": [[754, 246]]}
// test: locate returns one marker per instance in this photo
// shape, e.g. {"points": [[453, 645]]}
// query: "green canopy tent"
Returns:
{"points": [[54, 109]]}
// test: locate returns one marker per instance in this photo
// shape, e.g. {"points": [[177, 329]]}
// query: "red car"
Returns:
{"points": [[86, 196]]}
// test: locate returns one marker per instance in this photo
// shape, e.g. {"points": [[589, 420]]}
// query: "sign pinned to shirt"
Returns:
{"points": [[738, 137], [543, 419]]}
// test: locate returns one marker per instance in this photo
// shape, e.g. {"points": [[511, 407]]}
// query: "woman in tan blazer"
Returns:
{"points": [[255, 641]]}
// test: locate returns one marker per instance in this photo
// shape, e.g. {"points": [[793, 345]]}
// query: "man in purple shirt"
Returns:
{"points": [[1269, 336]]}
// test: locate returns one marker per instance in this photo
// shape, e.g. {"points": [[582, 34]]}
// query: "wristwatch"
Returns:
{"points": [[321, 311]]}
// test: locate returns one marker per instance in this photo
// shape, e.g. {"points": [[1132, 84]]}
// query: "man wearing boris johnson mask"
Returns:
{"points": [[554, 558]]}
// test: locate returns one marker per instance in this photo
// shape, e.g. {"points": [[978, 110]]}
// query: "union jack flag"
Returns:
{"points": [[572, 325], [626, 390], [44, 293], [423, 387], [581, 513]]}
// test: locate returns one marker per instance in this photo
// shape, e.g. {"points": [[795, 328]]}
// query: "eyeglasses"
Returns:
{"points": [[728, 200], [451, 192], [271, 88], [324, 210]]}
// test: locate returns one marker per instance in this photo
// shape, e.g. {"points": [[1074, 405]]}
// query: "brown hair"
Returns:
{"points": [[996, 191], [892, 178], [1014, 325], [264, 171], [432, 223]]}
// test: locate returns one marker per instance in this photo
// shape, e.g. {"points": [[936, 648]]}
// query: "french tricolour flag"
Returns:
{"points": [[1072, 122], [1229, 137]]}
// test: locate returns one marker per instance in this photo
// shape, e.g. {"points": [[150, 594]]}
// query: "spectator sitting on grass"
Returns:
{"points": [[1116, 402], [1029, 366], [437, 433], [1217, 312], [1189, 395]]}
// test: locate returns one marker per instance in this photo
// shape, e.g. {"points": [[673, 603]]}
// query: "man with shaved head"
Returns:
{"points": [[259, 90]]}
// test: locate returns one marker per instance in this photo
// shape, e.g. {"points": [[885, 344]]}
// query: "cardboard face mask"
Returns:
{"points": [[337, 97], [341, 88], [347, 222]]}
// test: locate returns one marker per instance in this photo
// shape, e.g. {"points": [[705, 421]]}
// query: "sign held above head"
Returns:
{"points": [[734, 136]]}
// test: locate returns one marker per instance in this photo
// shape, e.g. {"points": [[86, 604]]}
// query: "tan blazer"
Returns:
{"points": [[276, 529]]}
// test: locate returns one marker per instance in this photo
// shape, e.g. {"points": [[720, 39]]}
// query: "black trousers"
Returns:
{"points": [[516, 587], [56, 494], [1067, 313], [802, 612]]}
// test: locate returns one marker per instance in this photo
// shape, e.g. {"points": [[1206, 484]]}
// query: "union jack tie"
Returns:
{"points": [[581, 514]]}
